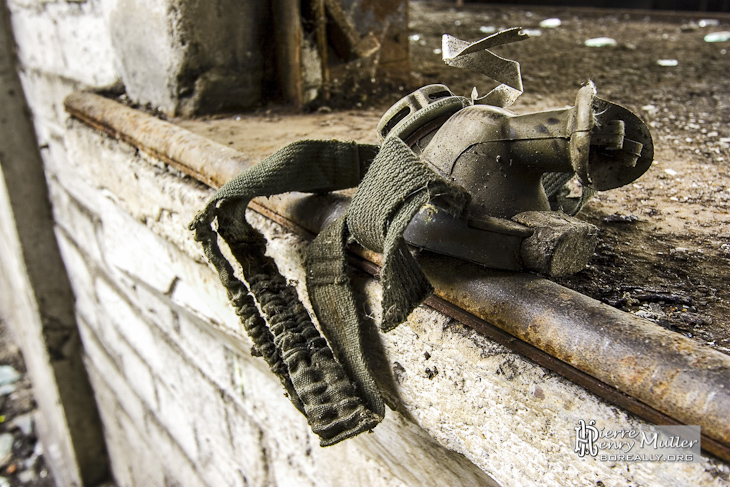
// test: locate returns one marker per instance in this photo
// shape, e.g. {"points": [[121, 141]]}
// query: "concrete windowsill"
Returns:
{"points": [[472, 395]]}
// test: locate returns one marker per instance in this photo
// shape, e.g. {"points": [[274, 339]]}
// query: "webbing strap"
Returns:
{"points": [[395, 188], [556, 188], [330, 292], [339, 399], [285, 336]]}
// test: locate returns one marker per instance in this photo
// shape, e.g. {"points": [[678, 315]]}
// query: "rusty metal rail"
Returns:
{"points": [[654, 373]]}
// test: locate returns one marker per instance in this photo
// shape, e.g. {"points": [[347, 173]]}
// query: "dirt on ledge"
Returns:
{"points": [[665, 239]]}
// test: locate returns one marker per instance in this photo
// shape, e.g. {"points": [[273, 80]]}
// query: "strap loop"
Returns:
{"points": [[333, 387], [289, 342]]}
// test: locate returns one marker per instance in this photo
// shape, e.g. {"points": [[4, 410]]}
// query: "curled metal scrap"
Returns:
{"points": [[477, 57], [686, 381]]}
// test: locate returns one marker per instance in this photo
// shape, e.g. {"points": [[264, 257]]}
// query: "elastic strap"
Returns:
{"points": [[335, 390], [285, 335]]}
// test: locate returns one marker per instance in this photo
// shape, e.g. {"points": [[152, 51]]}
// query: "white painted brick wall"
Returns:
{"points": [[45, 93], [67, 39], [80, 276], [175, 418], [107, 365], [63, 46]]}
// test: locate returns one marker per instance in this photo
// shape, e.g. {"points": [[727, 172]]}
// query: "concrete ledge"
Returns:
{"points": [[685, 372], [510, 417]]}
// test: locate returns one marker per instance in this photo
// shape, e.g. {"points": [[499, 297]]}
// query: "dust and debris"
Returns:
{"points": [[431, 372], [551, 23], [723, 36], [682, 202], [617, 218], [600, 42]]}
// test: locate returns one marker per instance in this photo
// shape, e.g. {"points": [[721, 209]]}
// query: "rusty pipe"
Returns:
{"points": [[664, 369], [210, 163], [660, 375]]}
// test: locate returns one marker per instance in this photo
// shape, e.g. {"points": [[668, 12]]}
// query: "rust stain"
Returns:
{"points": [[664, 387]]}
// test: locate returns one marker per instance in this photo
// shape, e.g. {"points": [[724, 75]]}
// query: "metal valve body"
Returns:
{"points": [[501, 159]]}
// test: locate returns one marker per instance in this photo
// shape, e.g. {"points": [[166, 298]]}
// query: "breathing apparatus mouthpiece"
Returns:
{"points": [[516, 169]]}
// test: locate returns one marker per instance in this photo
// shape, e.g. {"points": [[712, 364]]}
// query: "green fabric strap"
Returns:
{"points": [[333, 300], [395, 188], [285, 336], [339, 398]]}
